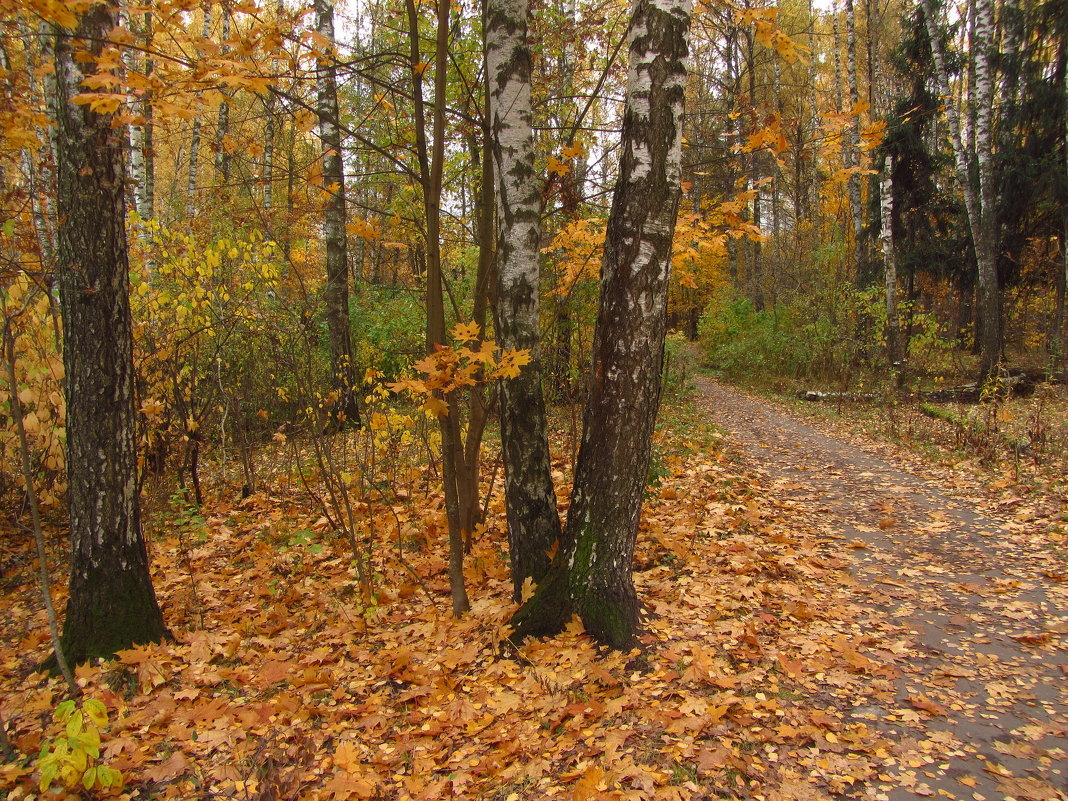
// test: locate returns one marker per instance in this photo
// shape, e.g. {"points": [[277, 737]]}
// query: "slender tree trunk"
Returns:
{"points": [[222, 127], [756, 257], [194, 141], [112, 604], [37, 162], [269, 135], [148, 207], [15, 410], [1060, 336], [533, 521], [852, 140], [989, 334], [813, 77], [336, 289], [895, 351], [430, 171], [591, 572]]}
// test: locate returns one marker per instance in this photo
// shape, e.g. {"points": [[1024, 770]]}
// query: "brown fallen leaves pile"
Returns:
{"points": [[284, 683]]}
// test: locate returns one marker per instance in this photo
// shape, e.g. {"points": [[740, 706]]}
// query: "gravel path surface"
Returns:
{"points": [[980, 697]]}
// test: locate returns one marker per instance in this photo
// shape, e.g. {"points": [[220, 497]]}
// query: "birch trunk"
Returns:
{"points": [[895, 351], [336, 289], [38, 163], [194, 141], [222, 127], [533, 521], [268, 152], [112, 604], [147, 209], [852, 155], [989, 335], [591, 572]]}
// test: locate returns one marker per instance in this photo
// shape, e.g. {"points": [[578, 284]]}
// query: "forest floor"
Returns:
{"points": [[824, 622]]}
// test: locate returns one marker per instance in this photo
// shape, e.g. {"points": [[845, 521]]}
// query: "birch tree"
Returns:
{"points": [[112, 604], [895, 351], [336, 289], [533, 521], [979, 204], [591, 572]]}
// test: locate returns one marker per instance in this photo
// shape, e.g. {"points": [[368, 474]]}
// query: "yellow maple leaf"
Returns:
{"points": [[436, 407], [466, 332], [557, 166], [574, 151], [347, 757], [511, 362]]}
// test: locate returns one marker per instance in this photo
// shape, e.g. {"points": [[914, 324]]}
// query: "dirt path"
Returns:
{"points": [[979, 706]]}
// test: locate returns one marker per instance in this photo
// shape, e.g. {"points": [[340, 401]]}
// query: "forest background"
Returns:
{"points": [[875, 199]]}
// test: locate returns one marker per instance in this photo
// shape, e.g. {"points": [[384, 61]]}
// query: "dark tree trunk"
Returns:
{"points": [[533, 521], [591, 572], [336, 289], [112, 604]]}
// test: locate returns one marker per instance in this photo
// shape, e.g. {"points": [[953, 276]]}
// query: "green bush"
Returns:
{"points": [[743, 342], [388, 328]]}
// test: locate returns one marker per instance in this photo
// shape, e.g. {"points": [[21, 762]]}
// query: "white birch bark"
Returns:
{"points": [[989, 334], [533, 521], [38, 163], [194, 141], [222, 126], [894, 348], [591, 574]]}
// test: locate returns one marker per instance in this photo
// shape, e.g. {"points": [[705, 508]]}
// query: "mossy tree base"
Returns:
{"points": [[591, 573], [112, 613], [112, 605]]}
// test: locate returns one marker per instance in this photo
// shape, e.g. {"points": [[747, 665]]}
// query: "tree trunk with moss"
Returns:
{"points": [[591, 573], [112, 604]]}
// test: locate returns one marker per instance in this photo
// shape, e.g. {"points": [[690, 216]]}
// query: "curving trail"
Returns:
{"points": [[979, 705]]}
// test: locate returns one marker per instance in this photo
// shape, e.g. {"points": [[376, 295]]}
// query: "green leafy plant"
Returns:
{"points": [[73, 757]]}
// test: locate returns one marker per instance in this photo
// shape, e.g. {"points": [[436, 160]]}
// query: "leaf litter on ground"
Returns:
{"points": [[759, 667]]}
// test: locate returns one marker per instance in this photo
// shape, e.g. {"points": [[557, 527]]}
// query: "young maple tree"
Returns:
{"points": [[112, 603]]}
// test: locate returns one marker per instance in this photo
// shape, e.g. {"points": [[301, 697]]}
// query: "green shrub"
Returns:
{"points": [[741, 341]]}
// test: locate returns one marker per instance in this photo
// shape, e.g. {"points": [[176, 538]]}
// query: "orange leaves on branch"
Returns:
{"points": [[578, 246], [365, 229], [872, 135], [770, 137], [451, 368], [768, 32], [558, 167], [100, 102]]}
